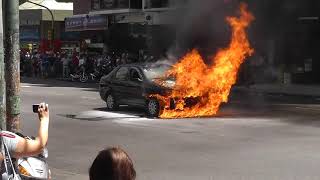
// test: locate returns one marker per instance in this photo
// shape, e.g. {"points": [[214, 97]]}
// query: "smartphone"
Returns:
{"points": [[35, 108]]}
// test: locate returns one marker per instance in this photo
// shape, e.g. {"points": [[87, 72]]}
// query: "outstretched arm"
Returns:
{"points": [[26, 147]]}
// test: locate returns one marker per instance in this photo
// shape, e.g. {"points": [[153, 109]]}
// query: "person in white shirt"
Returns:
{"points": [[65, 63]]}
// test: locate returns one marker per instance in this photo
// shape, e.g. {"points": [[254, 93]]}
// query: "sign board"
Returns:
{"points": [[85, 23], [29, 33]]}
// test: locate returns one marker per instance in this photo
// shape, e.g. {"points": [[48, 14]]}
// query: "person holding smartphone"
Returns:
{"points": [[19, 146]]}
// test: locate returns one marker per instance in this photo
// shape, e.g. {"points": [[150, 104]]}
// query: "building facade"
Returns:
{"points": [[38, 31], [131, 25]]}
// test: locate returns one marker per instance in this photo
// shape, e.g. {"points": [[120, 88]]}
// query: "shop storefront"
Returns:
{"points": [[91, 30]]}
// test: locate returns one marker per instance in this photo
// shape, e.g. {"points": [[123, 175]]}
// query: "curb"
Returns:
{"points": [[252, 90], [69, 80]]}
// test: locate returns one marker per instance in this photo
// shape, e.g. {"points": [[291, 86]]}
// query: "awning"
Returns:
{"points": [[51, 4], [86, 22], [60, 10]]}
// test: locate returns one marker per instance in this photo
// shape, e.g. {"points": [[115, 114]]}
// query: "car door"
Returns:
{"points": [[136, 87], [120, 85]]}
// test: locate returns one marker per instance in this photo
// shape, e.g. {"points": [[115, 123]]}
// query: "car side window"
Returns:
{"points": [[122, 74], [134, 75]]}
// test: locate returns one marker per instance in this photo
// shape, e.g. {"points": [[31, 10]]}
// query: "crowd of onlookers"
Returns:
{"points": [[61, 65]]}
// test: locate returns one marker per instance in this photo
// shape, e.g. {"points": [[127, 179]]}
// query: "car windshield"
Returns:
{"points": [[156, 71]]}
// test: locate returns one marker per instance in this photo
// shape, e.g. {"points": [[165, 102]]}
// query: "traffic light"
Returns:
{"points": [[49, 35]]}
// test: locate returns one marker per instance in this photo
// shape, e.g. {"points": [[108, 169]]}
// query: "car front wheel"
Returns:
{"points": [[153, 108], [111, 102]]}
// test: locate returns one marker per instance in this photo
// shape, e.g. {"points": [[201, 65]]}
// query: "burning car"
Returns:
{"points": [[134, 84], [189, 88]]}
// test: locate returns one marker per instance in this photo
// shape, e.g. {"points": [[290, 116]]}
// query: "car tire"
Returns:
{"points": [[111, 102], [153, 108]]}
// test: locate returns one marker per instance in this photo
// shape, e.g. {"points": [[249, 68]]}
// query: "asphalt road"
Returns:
{"points": [[255, 136]]}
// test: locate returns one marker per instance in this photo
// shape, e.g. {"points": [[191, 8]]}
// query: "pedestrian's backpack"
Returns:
{"points": [[10, 172]]}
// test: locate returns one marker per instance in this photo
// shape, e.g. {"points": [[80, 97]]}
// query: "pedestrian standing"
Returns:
{"points": [[45, 66], [75, 63], [65, 63], [35, 65]]}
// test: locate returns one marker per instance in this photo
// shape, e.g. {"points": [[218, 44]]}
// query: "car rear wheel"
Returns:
{"points": [[111, 102], [153, 108]]}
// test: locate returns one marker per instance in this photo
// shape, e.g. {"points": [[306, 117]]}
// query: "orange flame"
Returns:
{"points": [[209, 84]]}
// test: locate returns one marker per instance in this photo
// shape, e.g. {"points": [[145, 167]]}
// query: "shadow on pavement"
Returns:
{"points": [[126, 110], [102, 114], [59, 83]]}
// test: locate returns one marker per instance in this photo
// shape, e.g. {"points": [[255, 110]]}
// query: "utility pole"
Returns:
{"points": [[12, 65], [2, 81]]}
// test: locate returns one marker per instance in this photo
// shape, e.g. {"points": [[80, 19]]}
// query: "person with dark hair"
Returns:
{"points": [[112, 164]]}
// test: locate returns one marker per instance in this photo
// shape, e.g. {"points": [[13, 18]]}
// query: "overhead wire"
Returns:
{"points": [[33, 5]]}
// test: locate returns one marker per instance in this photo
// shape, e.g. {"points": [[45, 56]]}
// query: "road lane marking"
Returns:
{"points": [[92, 98], [59, 94]]}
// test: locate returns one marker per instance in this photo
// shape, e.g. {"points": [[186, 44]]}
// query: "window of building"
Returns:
{"points": [[116, 4], [156, 4], [164, 3], [134, 4], [95, 5], [123, 4], [108, 4]]}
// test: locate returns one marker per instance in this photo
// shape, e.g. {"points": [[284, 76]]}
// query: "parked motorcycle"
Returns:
{"points": [[101, 71], [81, 75], [26, 168]]}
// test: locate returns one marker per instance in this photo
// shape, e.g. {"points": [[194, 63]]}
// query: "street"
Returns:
{"points": [[255, 136]]}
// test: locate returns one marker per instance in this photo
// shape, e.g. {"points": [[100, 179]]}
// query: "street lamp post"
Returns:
{"points": [[52, 21]]}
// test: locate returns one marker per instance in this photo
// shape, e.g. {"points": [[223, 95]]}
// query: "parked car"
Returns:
{"points": [[132, 84]]}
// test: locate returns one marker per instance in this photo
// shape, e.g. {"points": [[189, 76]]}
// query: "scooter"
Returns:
{"points": [[34, 167], [26, 168]]}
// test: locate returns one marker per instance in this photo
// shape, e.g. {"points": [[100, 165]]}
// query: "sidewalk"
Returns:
{"points": [[285, 89]]}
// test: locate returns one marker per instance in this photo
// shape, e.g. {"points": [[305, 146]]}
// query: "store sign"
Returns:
{"points": [[85, 23], [29, 33]]}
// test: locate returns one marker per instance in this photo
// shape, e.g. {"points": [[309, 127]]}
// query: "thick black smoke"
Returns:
{"points": [[201, 24]]}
